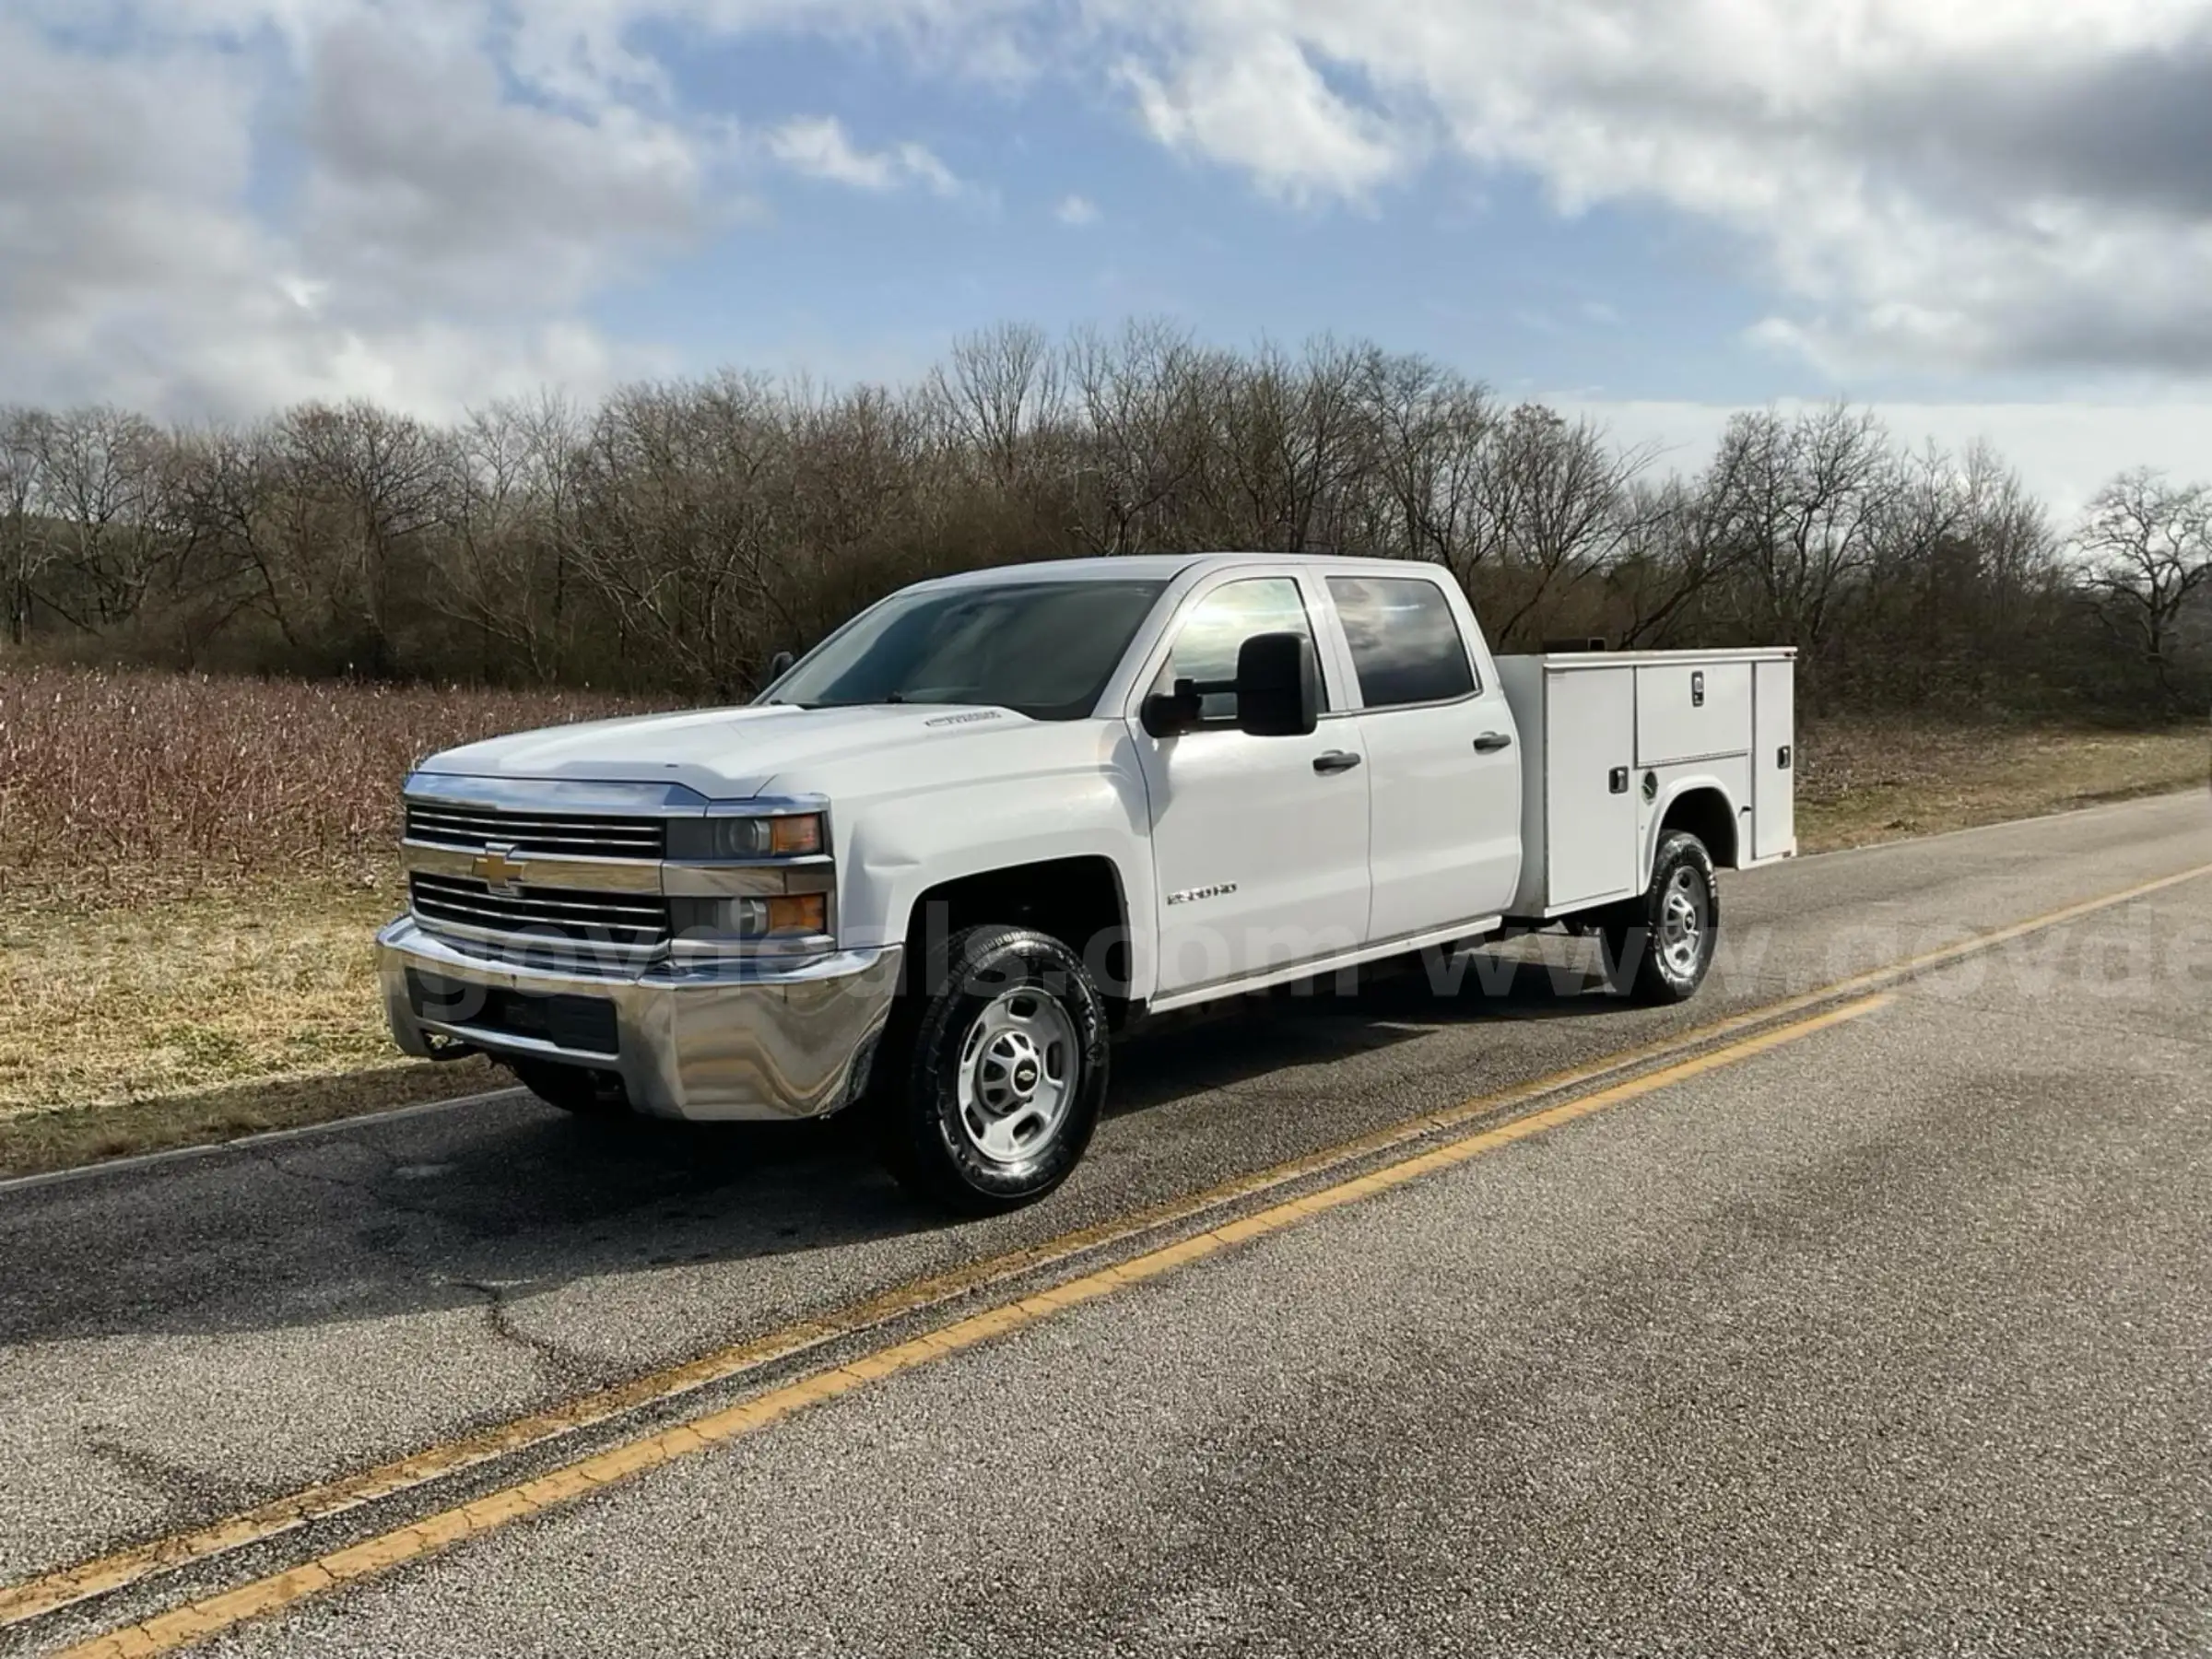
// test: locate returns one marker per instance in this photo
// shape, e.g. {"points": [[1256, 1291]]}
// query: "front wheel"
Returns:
{"points": [[993, 1091], [1658, 946]]}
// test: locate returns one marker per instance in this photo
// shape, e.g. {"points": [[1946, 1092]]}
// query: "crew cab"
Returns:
{"points": [[944, 855]]}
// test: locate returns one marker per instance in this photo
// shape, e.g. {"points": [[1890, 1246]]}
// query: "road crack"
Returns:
{"points": [[557, 1365]]}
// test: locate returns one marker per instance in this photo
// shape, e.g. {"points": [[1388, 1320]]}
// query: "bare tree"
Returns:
{"points": [[98, 470], [1431, 433], [1556, 503], [2148, 545], [1801, 500], [510, 490], [677, 535], [1141, 399], [24, 546], [1000, 388]]}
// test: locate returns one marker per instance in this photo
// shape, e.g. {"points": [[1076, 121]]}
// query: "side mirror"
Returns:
{"points": [[1171, 714], [1278, 685], [778, 666]]}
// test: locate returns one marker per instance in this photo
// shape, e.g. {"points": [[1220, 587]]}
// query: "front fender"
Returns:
{"points": [[895, 848]]}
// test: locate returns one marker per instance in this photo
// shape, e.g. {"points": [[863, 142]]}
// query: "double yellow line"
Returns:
{"points": [[201, 1618]]}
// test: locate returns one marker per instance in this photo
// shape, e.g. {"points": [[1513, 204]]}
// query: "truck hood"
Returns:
{"points": [[724, 754]]}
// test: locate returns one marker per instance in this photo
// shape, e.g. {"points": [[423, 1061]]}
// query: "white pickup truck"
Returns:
{"points": [[967, 835]]}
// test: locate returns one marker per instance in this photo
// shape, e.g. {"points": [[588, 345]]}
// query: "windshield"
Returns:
{"points": [[1044, 649]]}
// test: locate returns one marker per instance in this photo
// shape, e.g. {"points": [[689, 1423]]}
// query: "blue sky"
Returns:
{"points": [[1479, 269], [1654, 213]]}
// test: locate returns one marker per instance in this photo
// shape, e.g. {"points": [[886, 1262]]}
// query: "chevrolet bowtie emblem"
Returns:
{"points": [[498, 869]]}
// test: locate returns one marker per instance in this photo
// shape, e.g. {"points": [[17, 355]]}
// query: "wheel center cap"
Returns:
{"points": [[1025, 1075]]}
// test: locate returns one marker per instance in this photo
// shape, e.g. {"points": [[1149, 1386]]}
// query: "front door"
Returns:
{"points": [[1259, 844]]}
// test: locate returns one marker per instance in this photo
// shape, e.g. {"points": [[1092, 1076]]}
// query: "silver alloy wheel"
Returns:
{"points": [[1682, 923], [1019, 1068]]}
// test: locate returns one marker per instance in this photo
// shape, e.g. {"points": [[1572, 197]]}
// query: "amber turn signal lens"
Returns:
{"points": [[799, 913], [795, 837]]}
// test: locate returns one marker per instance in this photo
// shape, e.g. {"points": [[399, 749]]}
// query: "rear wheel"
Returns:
{"points": [[1659, 946], [574, 1089], [989, 1090]]}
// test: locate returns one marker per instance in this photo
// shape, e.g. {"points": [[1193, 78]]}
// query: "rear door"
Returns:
{"points": [[1259, 844], [1444, 843]]}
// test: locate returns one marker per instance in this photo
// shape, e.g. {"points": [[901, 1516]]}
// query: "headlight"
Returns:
{"points": [[792, 915], [799, 835]]}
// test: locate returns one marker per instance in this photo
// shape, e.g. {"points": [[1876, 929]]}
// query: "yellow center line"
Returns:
{"points": [[198, 1621], [35, 1597]]}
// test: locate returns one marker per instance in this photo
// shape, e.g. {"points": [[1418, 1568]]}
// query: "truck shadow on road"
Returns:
{"points": [[1224, 1045], [374, 1219]]}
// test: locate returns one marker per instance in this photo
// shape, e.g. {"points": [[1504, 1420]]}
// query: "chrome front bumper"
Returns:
{"points": [[706, 1041]]}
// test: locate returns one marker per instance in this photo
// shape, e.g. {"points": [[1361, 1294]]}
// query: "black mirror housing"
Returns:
{"points": [[1278, 685], [1278, 690], [1171, 714], [778, 666]]}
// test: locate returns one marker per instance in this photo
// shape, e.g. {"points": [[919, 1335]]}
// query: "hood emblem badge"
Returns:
{"points": [[499, 869]]}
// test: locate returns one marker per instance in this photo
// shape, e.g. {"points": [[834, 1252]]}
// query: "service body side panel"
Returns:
{"points": [[1522, 678], [1615, 740]]}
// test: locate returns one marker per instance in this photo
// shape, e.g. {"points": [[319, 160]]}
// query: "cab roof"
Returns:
{"points": [[1155, 566]]}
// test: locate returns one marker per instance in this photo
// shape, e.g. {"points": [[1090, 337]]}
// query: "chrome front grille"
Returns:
{"points": [[473, 829], [541, 915]]}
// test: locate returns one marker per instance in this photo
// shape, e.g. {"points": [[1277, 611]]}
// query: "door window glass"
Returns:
{"points": [[1406, 643], [1212, 634]]}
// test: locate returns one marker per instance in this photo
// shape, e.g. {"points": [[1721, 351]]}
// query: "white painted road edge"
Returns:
{"points": [[142, 1160]]}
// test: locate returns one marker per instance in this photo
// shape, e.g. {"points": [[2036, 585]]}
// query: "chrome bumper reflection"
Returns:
{"points": [[708, 1040]]}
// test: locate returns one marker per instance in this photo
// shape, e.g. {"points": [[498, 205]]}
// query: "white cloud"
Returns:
{"points": [[222, 205], [1076, 211], [226, 203], [1257, 100], [819, 147], [2006, 183], [434, 238]]}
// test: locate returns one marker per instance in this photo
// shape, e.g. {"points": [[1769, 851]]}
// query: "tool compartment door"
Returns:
{"points": [[1693, 711], [1590, 797], [1774, 762]]}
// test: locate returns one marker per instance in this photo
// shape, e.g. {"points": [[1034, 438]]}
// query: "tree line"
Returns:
{"points": [[675, 536]]}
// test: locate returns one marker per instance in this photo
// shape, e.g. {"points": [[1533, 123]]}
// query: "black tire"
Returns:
{"points": [[572, 1088], [1644, 957], [1047, 1023]]}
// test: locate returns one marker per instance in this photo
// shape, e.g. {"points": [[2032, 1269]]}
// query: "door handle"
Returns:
{"points": [[1490, 743], [1336, 760]]}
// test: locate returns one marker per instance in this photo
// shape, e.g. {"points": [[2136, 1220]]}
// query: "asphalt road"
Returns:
{"points": [[1893, 1338]]}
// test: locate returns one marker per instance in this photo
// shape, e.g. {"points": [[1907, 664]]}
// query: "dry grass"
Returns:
{"points": [[169, 975], [1869, 782], [191, 872], [195, 1016], [107, 774]]}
